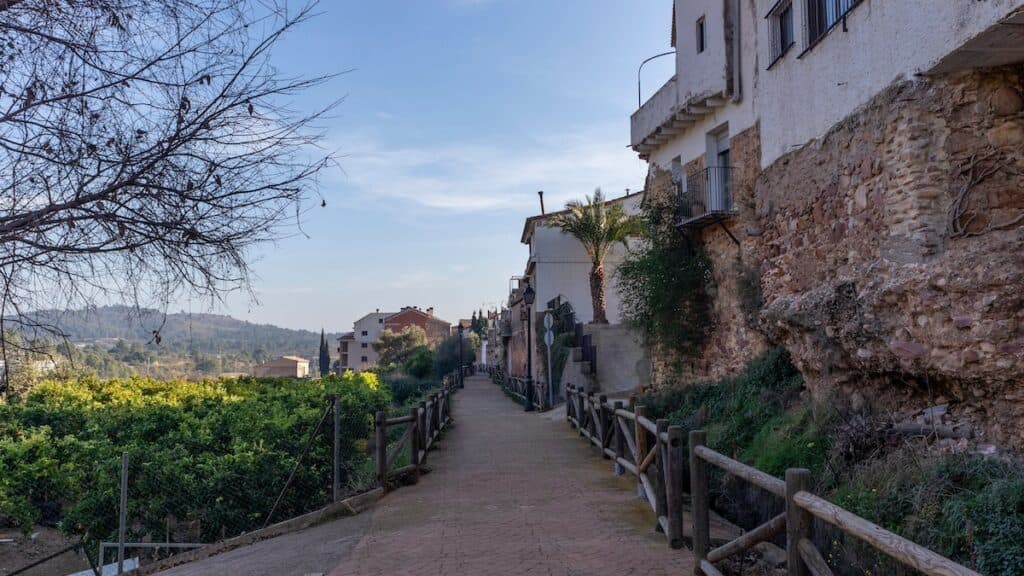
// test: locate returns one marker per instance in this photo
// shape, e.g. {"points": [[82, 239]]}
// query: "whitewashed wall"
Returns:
{"points": [[887, 40], [562, 268], [693, 74]]}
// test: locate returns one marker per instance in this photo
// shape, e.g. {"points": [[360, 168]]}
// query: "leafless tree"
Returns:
{"points": [[145, 147]]}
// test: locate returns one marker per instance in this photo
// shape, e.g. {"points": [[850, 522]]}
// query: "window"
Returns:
{"points": [[822, 15], [365, 333], [364, 359], [380, 320], [363, 345], [780, 21], [702, 35]]}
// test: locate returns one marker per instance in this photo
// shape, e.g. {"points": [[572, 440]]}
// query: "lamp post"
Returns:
{"points": [[462, 371], [528, 297]]}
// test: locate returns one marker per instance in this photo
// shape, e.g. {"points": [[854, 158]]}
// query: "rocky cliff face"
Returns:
{"points": [[893, 251], [891, 254]]}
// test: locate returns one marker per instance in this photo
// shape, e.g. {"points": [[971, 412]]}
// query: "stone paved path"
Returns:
{"points": [[513, 493], [510, 493]]}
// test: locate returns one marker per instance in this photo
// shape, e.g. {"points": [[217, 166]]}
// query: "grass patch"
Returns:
{"points": [[967, 507]]}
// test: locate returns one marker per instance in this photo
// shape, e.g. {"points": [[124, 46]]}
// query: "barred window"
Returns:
{"points": [[822, 15], [780, 22]]}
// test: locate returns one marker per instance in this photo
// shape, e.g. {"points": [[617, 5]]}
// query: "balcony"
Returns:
{"points": [[665, 116], [708, 197]]}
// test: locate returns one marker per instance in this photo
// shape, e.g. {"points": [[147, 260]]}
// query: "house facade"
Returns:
{"points": [[558, 265], [284, 367], [437, 329], [355, 348], [861, 162]]}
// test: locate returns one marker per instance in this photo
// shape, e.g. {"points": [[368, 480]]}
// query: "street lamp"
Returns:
{"points": [[462, 373], [529, 295]]}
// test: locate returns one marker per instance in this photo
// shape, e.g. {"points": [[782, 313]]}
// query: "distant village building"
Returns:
{"points": [[355, 348], [284, 367], [437, 330]]}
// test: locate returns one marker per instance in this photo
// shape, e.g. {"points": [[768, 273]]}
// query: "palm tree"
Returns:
{"points": [[598, 225]]}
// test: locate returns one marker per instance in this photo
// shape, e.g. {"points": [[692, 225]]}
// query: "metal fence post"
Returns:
{"points": [[336, 478], [122, 520]]}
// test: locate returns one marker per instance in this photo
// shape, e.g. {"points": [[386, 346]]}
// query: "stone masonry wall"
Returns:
{"points": [[892, 252], [733, 342]]}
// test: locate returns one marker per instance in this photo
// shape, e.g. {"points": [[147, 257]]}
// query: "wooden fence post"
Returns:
{"points": [[414, 444], [699, 499], [435, 418], [381, 424], [424, 424], [568, 402], [335, 449], [641, 448], [660, 498], [604, 429], [798, 521], [620, 440], [674, 485]]}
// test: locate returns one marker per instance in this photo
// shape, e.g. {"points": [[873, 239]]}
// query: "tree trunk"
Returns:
{"points": [[597, 293]]}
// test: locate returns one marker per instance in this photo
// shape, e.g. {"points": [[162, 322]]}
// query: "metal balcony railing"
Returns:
{"points": [[708, 196]]}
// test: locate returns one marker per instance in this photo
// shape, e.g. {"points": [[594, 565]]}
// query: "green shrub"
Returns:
{"points": [[403, 389], [967, 507], [667, 286], [733, 410], [215, 451], [793, 440], [420, 363]]}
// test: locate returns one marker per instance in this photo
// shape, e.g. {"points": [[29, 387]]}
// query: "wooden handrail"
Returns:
{"points": [[425, 423], [605, 425], [898, 547], [741, 470]]}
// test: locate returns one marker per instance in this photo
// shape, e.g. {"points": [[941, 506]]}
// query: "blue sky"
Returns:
{"points": [[455, 114]]}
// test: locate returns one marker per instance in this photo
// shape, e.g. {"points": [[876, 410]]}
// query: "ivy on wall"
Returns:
{"points": [[666, 286]]}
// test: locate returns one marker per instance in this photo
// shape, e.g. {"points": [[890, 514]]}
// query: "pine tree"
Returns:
{"points": [[325, 355]]}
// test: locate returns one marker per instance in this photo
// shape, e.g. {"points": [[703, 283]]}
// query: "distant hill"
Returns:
{"points": [[184, 332]]}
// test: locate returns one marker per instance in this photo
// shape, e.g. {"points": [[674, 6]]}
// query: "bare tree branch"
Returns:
{"points": [[145, 148]]}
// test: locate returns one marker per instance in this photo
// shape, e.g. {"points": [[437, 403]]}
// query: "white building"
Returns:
{"points": [[355, 349], [558, 265]]}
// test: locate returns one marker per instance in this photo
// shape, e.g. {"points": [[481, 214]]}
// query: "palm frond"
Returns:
{"points": [[597, 224]]}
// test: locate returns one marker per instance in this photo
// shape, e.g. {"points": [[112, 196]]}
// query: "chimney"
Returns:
{"points": [[541, 194], [430, 311]]}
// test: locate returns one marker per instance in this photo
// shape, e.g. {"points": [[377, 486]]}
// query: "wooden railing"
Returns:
{"points": [[518, 387], [654, 452], [424, 425]]}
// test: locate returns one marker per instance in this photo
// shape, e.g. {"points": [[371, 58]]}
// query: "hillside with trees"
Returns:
{"points": [[121, 340]]}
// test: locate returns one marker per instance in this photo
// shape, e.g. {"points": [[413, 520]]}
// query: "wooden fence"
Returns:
{"points": [[657, 454], [517, 387], [423, 427]]}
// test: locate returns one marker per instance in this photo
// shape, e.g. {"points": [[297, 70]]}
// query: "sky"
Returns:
{"points": [[455, 113]]}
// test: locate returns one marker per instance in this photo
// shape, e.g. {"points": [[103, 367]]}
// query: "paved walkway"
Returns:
{"points": [[510, 493]]}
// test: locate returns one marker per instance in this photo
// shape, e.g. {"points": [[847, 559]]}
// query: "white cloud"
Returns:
{"points": [[469, 177]]}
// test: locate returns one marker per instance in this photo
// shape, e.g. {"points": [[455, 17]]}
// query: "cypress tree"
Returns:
{"points": [[325, 355]]}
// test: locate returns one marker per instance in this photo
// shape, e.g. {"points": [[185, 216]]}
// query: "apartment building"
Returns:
{"points": [[355, 348], [863, 160]]}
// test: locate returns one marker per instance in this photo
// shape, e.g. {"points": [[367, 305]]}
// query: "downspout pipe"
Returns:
{"points": [[737, 58]]}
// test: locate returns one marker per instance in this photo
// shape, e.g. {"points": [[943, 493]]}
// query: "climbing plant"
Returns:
{"points": [[666, 285]]}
